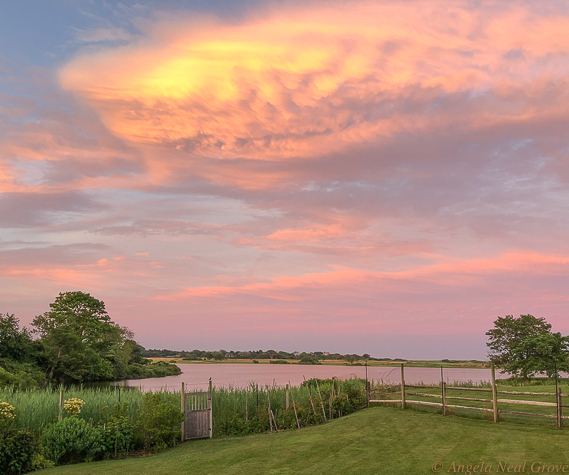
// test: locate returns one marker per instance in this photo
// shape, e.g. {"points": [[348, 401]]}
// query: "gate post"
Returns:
{"points": [[209, 407], [559, 409], [402, 386], [494, 395], [183, 406]]}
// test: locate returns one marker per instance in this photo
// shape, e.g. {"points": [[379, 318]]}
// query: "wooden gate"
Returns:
{"points": [[196, 406]]}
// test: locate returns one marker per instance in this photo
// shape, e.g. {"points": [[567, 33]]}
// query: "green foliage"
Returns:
{"points": [[525, 345], [79, 342], [15, 344], [17, 449], [245, 411], [20, 375], [306, 358], [19, 355], [156, 369], [72, 440], [159, 419], [40, 462], [79, 338], [117, 432], [38, 408]]}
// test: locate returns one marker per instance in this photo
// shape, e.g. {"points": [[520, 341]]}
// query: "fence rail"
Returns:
{"points": [[443, 396]]}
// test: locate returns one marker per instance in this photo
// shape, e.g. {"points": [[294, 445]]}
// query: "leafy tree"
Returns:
{"points": [[15, 344], [79, 339], [525, 345]]}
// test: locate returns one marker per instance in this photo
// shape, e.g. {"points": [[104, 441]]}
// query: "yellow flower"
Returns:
{"points": [[73, 406], [7, 411]]}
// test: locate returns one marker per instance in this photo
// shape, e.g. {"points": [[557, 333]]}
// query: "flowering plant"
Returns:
{"points": [[73, 406], [7, 411]]}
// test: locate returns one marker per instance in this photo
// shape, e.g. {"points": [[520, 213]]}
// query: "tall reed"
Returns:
{"points": [[236, 411]]}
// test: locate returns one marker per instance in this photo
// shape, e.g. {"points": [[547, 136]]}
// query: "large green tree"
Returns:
{"points": [[524, 346], [80, 342], [15, 344]]}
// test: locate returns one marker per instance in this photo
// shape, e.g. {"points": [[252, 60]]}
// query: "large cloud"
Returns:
{"points": [[306, 81]]}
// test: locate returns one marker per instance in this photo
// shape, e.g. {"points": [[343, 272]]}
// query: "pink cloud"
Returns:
{"points": [[304, 81]]}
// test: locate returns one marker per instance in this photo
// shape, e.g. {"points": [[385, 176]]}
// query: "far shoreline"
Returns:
{"points": [[473, 364]]}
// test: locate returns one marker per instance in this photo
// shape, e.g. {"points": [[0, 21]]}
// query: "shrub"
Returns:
{"points": [[17, 449], [72, 440], [117, 432], [159, 419]]}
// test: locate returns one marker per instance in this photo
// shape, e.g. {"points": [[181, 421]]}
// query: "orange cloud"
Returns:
{"points": [[308, 81]]}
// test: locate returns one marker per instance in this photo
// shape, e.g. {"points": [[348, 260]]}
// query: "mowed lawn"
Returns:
{"points": [[378, 440]]}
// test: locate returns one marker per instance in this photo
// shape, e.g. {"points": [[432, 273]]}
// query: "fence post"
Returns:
{"points": [[287, 397], [444, 396], [368, 389], [402, 386], [559, 409], [183, 408], [210, 408], [60, 416], [494, 395]]}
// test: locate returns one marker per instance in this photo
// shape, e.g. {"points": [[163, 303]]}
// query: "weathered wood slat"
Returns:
{"points": [[529, 403], [521, 393], [426, 403], [425, 395], [462, 398], [528, 414], [421, 386], [454, 388], [470, 408], [385, 400]]}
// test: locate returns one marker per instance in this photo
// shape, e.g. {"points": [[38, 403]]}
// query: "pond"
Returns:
{"points": [[196, 376]]}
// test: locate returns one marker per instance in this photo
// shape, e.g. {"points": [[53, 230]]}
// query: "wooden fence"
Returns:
{"points": [[493, 404]]}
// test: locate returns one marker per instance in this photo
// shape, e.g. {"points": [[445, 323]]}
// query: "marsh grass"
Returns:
{"points": [[236, 411]]}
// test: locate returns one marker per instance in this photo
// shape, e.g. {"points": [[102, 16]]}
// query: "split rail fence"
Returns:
{"points": [[493, 403]]}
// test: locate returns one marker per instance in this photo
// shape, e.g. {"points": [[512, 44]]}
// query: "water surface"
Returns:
{"points": [[196, 376]]}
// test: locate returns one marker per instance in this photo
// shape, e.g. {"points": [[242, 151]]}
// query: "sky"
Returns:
{"points": [[381, 177]]}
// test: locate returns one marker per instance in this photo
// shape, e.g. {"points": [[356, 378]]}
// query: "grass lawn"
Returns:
{"points": [[379, 440]]}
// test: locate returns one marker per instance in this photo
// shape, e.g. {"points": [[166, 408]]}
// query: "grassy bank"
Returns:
{"points": [[377, 440]]}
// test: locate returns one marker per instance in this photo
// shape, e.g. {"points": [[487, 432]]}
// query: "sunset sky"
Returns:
{"points": [[379, 177]]}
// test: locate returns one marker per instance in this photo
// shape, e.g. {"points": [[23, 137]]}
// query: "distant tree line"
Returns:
{"points": [[221, 355], [75, 341]]}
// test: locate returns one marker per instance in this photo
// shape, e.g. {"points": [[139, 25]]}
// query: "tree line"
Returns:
{"points": [[73, 342], [220, 355]]}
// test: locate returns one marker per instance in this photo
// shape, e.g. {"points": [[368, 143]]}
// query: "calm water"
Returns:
{"points": [[196, 376]]}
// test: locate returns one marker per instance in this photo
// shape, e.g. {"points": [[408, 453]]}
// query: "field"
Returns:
{"points": [[409, 363], [376, 440]]}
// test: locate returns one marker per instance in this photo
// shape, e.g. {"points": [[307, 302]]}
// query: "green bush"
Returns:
{"points": [[17, 450], [117, 432], [72, 440], [158, 423]]}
